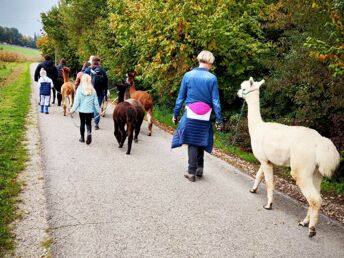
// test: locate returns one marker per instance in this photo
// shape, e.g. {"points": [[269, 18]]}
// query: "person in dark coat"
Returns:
{"points": [[100, 84], [59, 81], [51, 70], [199, 91]]}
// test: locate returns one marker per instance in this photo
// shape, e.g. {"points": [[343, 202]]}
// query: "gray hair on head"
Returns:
{"points": [[206, 57], [43, 72]]}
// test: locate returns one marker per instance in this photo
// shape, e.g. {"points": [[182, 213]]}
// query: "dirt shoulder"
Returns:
{"points": [[333, 203], [31, 230]]}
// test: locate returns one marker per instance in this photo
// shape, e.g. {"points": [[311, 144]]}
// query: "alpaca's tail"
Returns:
{"points": [[327, 157]]}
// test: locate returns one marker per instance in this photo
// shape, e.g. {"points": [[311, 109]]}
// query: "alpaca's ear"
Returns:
{"points": [[251, 81], [261, 82]]}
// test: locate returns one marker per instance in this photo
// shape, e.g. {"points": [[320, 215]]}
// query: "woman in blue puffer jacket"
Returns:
{"points": [[199, 91]]}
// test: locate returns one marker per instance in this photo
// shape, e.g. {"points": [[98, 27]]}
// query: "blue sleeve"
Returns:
{"points": [[216, 101], [76, 101], [88, 71], [181, 98]]}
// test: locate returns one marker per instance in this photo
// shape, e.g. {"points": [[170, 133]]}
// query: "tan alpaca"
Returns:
{"points": [[145, 99], [67, 91], [309, 155]]}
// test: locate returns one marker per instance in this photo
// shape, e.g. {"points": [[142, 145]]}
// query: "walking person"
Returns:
{"points": [[59, 80], [100, 84], [199, 91], [50, 69], [45, 86], [85, 102]]}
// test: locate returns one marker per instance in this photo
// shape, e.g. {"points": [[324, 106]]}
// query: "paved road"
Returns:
{"points": [[104, 203]]}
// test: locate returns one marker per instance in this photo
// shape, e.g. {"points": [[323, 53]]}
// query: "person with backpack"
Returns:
{"points": [[59, 81], [100, 83], [50, 69], [45, 86]]}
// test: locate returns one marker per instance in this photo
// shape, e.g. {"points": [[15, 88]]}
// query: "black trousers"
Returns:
{"points": [[85, 119], [196, 158], [54, 95], [58, 95]]}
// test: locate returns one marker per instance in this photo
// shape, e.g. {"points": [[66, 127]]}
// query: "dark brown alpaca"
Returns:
{"points": [[145, 99], [130, 113], [67, 91]]}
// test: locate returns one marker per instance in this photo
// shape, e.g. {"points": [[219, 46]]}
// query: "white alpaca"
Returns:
{"points": [[309, 155]]}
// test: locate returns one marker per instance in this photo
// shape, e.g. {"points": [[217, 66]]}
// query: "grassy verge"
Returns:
{"points": [[5, 69], [14, 106], [25, 51], [222, 140]]}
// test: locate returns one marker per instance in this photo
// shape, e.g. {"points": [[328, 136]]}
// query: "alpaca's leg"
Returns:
{"points": [[317, 178], [269, 180], [257, 181], [123, 135], [130, 130], [150, 121], [310, 191], [305, 221]]}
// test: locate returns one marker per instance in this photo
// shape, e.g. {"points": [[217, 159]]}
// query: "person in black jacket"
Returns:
{"points": [[100, 84], [51, 70], [60, 80]]}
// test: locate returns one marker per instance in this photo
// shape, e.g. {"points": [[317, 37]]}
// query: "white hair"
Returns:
{"points": [[43, 72], [86, 85], [206, 57]]}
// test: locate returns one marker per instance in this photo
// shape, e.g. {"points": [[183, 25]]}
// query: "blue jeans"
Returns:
{"points": [[96, 114]]}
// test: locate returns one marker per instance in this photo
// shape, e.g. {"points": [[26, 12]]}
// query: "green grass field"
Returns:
{"points": [[27, 52], [14, 106]]}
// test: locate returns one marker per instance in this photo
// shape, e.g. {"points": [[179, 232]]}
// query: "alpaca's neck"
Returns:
{"points": [[132, 87], [253, 116], [65, 77]]}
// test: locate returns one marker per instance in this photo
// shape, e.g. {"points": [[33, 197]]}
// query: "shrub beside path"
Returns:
{"points": [[104, 203]]}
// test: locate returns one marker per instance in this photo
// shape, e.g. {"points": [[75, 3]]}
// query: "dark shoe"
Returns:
{"points": [[82, 139], [47, 112], [89, 139], [96, 127], [199, 172], [191, 178]]}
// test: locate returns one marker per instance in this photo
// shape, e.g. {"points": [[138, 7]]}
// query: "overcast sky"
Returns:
{"points": [[24, 14]]}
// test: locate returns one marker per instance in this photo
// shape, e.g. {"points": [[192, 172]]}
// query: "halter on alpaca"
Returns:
{"points": [[309, 155]]}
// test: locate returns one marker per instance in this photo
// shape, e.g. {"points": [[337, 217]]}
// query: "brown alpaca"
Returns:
{"points": [[67, 91], [145, 99]]}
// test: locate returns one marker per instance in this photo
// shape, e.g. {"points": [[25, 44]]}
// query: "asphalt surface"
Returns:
{"points": [[104, 203]]}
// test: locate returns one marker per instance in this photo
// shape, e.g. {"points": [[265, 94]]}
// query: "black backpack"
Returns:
{"points": [[98, 79]]}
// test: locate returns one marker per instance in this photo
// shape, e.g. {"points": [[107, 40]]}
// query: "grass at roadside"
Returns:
{"points": [[5, 69], [14, 106]]}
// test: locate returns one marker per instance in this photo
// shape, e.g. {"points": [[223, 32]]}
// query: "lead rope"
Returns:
{"points": [[237, 126]]}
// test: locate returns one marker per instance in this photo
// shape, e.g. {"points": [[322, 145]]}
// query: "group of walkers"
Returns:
{"points": [[91, 87], [199, 92]]}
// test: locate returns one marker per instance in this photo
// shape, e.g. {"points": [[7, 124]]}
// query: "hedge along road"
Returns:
{"points": [[104, 203]]}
